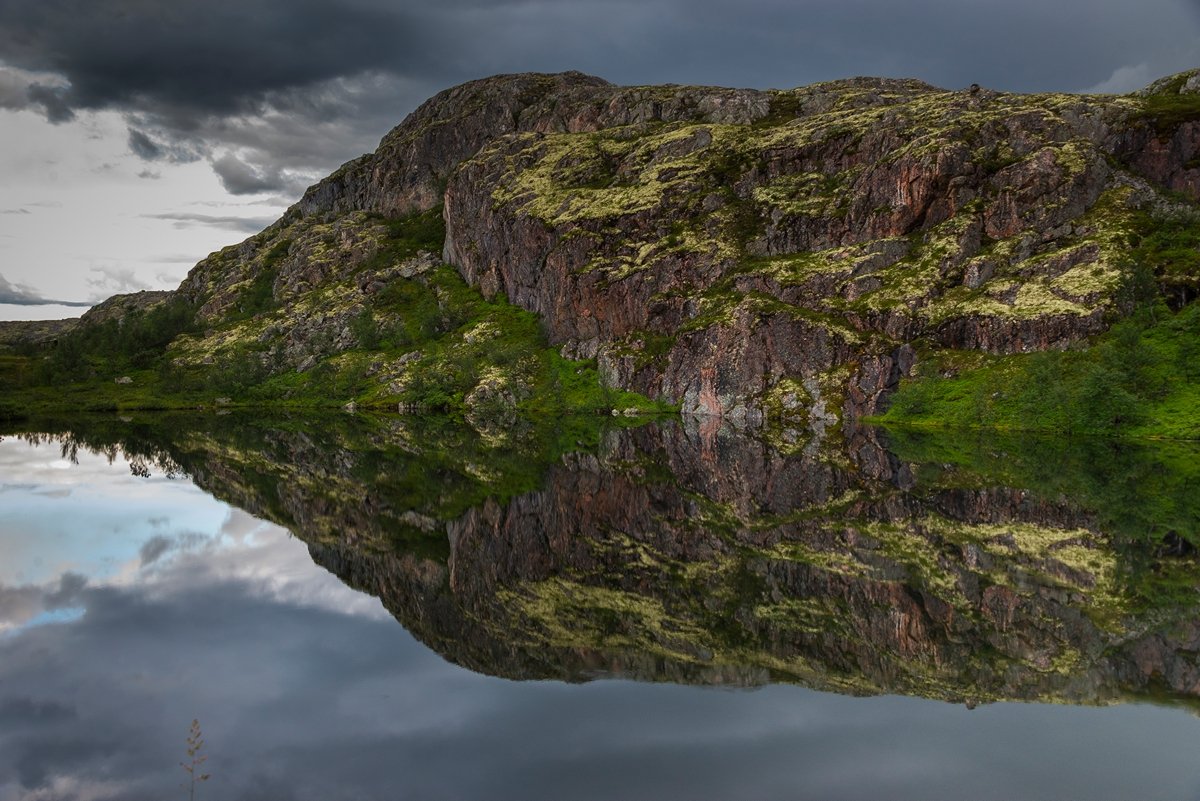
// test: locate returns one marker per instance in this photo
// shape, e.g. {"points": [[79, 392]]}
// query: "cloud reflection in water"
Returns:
{"points": [[309, 690]]}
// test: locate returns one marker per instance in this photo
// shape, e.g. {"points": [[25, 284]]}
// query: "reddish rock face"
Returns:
{"points": [[717, 247]]}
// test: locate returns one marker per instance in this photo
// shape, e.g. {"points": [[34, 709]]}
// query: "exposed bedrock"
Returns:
{"points": [[760, 254]]}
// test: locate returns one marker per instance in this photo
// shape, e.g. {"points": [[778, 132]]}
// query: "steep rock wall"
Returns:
{"points": [[755, 254]]}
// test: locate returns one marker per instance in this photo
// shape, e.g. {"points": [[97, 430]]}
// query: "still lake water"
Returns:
{"points": [[382, 609]]}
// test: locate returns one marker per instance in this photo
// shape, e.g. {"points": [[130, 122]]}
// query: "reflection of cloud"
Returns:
{"points": [[308, 690], [19, 605], [27, 710], [304, 703], [22, 605], [154, 548], [70, 585]]}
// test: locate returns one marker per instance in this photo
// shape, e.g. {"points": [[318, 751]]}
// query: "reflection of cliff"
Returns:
{"points": [[670, 557], [666, 554]]}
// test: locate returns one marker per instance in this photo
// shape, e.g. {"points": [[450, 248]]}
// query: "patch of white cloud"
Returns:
{"points": [[82, 223], [1123, 80], [108, 280]]}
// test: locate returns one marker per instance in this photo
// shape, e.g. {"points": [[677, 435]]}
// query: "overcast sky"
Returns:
{"points": [[139, 135]]}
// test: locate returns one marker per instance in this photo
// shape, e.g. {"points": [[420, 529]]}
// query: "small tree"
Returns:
{"points": [[195, 760]]}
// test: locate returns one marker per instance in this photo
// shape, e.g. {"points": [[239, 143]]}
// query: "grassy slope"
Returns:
{"points": [[453, 337], [1141, 378]]}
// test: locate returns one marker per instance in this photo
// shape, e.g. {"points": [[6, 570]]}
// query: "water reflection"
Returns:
{"points": [[961, 570], [663, 553]]}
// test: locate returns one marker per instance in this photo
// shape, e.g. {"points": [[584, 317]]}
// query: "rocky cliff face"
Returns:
{"points": [[754, 254]]}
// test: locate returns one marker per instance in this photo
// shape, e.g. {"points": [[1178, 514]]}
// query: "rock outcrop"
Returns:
{"points": [[715, 248]]}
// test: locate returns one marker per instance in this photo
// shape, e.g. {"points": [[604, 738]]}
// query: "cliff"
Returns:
{"points": [[784, 255]]}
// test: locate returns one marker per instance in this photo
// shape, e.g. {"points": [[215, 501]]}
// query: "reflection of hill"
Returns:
{"points": [[673, 555]]}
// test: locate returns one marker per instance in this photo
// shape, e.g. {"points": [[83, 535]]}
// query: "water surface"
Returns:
{"points": [[360, 608]]}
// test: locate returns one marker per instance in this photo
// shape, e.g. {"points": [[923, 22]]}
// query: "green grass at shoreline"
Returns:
{"points": [[1139, 380]]}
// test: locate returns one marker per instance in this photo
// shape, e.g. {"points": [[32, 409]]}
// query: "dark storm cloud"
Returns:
{"points": [[242, 178], [143, 146], [22, 295], [54, 100], [274, 93], [214, 57], [27, 711]]}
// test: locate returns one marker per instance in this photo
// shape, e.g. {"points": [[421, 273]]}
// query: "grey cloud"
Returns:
{"points": [[241, 178], [275, 93], [154, 548], [21, 89], [22, 295], [26, 710], [149, 175], [1125, 79], [19, 604], [304, 703], [212, 57], [54, 100], [14, 92], [143, 146], [70, 585], [41, 757], [188, 220], [177, 151], [16, 211]]}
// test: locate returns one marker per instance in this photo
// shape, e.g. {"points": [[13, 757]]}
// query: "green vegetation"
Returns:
{"points": [[1169, 107], [135, 341], [418, 337], [1136, 492], [1141, 378], [408, 236]]}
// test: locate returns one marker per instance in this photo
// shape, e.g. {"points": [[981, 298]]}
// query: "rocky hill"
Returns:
{"points": [[783, 255]]}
